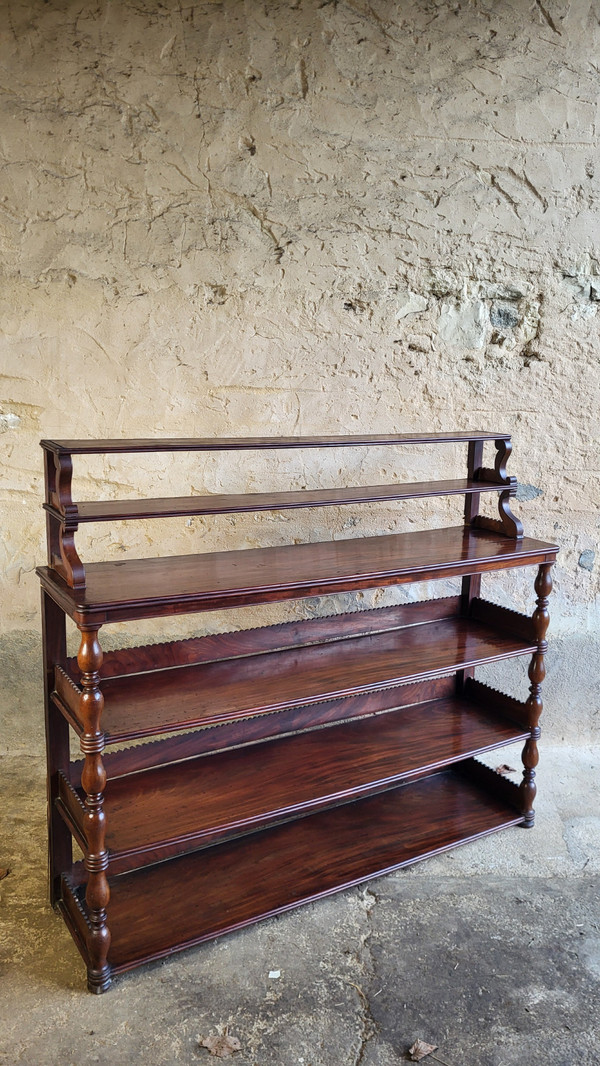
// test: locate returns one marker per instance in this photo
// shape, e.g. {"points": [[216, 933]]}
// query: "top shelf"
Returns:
{"points": [[123, 590], [64, 514], [228, 444]]}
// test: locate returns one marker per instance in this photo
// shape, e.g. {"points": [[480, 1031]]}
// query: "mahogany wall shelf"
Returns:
{"points": [[277, 751]]}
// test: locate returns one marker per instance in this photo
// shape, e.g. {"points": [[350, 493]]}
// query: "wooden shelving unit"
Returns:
{"points": [[292, 760]]}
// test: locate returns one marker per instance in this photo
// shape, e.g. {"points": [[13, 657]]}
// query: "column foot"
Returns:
{"points": [[99, 981]]}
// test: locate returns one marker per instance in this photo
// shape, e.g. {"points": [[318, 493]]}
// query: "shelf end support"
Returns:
{"points": [[93, 780], [61, 519], [508, 523], [534, 705]]}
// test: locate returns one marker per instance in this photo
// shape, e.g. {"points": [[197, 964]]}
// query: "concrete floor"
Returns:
{"points": [[492, 952]]}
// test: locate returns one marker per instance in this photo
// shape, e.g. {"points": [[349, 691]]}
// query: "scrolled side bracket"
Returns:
{"points": [[508, 524], [62, 519]]}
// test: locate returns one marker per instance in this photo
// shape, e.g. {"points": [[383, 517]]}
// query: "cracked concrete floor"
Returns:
{"points": [[491, 951]]}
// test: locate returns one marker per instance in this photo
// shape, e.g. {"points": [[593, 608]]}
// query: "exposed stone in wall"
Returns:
{"points": [[586, 559], [462, 324], [528, 492], [230, 218]]}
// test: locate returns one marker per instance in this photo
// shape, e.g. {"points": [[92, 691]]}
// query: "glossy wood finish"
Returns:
{"points": [[295, 759], [173, 809], [496, 702], [143, 704], [93, 780], [61, 524], [219, 444], [142, 588], [60, 851], [64, 515], [537, 673], [297, 634], [182, 506], [177, 747], [471, 583], [508, 523], [503, 618], [233, 885]]}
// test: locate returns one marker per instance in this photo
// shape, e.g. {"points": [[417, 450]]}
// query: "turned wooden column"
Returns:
{"points": [[93, 780], [537, 673], [60, 848]]}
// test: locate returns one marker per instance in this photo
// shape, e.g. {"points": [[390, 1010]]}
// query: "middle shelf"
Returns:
{"points": [[397, 645], [168, 810], [236, 503], [386, 677]]}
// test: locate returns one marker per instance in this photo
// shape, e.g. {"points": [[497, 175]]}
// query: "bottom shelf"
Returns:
{"points": [[176, 904]]}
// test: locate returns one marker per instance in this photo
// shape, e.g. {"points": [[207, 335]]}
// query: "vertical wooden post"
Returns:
{"points": [[537, 673], [93, 780], [52, 527], [471, 584], [474, 464], [60, 849]]}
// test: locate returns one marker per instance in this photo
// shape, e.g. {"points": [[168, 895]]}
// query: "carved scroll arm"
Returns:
{"points": [[508, 524], [62, 519]]}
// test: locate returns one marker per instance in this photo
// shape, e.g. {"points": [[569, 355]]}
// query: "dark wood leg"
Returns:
{"points": [[534, 705], [93, 780], [60, 849], [471, 587]]}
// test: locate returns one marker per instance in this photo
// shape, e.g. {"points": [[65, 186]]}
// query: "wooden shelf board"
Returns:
{"points": [[166, 700], [139, 588], [301, 632], [215, 444], [182, 506], [176, 747], [189, 899], [172, 809]]}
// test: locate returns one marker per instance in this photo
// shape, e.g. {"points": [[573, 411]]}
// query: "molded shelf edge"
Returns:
{"points": [[149, 916], [156, 814], [142, 588], [209, 444]]}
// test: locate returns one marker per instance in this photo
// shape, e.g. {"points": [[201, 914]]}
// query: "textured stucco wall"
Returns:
{"points": [[237, 218]]}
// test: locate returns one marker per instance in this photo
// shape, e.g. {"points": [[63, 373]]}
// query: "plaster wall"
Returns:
{"points": [[243, 218]]}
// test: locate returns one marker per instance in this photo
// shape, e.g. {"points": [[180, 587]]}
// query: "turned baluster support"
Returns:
{"points": [[534, 705], [93, 780], [60, 846]]}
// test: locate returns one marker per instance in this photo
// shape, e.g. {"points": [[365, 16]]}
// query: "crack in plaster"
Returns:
{"points": [[368, 899]]}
